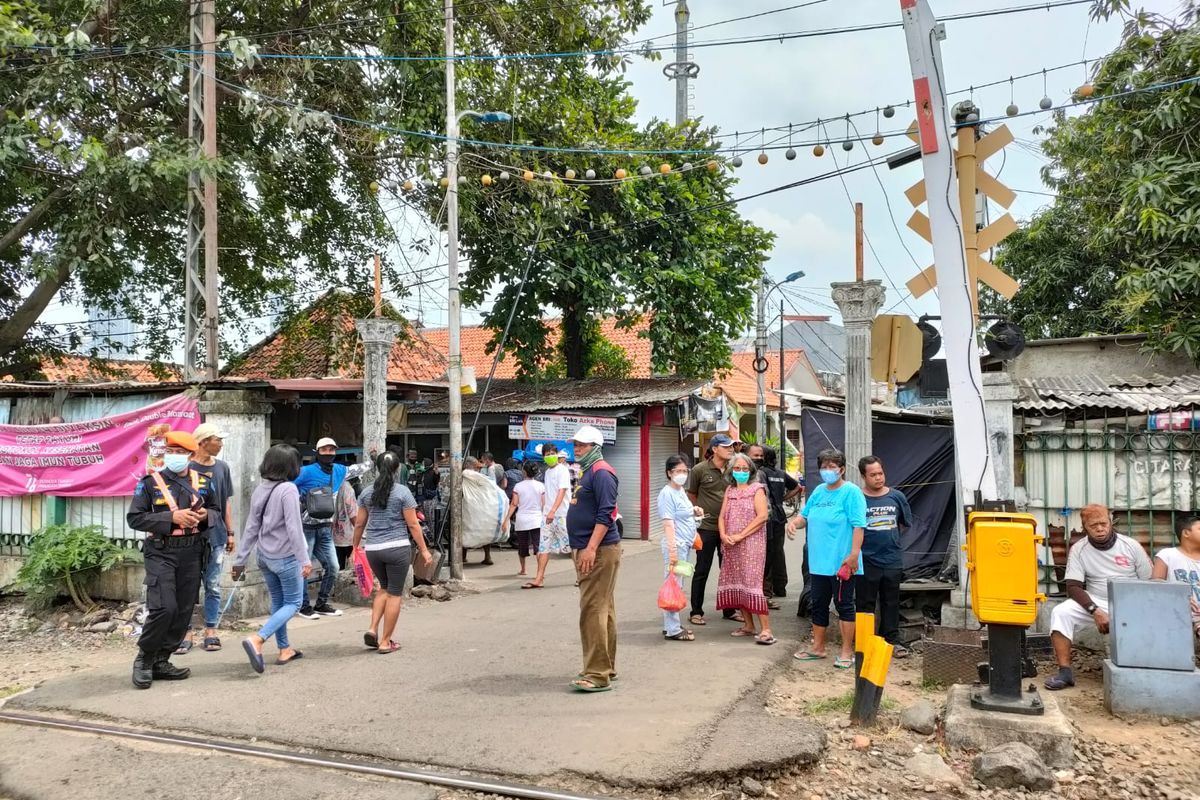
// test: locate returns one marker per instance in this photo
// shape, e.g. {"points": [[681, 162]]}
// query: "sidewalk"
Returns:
{"points": [[482, 683]]}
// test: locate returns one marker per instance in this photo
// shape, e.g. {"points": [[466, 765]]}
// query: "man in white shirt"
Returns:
{"points": [[1091, 562], [1182, 564], [557, 479]]}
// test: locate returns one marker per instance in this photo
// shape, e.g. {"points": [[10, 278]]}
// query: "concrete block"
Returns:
{"points": [[1160, 692], [1151, 624], [958, 617], [972, 729]]}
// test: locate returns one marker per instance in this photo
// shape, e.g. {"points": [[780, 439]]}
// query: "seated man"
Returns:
{"points": [[1092, 561], [1182, 564]]}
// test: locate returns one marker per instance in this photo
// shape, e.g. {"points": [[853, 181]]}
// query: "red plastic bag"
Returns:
{"points": [[670, 596], [362, 572]]}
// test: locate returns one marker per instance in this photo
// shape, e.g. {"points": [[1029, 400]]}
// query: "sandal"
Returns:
{"points": [[741, 632], [1057, 681], [843, 663], [773, 605], [531, 585], [371, 640], [587, 685], [183, 647], [766, 639], [805, 655], [737, 617], [387, 648], [683, 636], [256, 658], [211, 644], [295, 655], [697, 619]]}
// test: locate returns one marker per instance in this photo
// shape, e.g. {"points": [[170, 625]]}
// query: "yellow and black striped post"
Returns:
{"points": [[864, 629]]}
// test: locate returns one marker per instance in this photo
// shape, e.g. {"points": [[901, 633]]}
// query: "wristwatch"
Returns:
{"points": [[1091, 608]]}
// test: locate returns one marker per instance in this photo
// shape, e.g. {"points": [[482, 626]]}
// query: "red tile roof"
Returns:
{"points": [[476, 338], [84, 369], [740, 382]]}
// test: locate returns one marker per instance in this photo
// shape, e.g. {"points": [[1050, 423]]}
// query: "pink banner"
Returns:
{"points": [[103, 457]]}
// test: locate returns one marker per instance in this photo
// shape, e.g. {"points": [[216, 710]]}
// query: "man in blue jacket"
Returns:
{"points": [[322, 476], [596, 546]]}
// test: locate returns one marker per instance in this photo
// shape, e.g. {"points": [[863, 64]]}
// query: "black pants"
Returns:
{"points": [[172, 584], [775, 577], [343, 555], [880, 584], [704, 562]]}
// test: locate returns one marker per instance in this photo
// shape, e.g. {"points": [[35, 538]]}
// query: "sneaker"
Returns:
{"points": [[308, 613], [325, 610]]}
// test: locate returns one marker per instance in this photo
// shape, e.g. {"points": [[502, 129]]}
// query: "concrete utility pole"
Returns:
{"points": [[858, 301], [378, 336], [682, 70], [949, 238], [454, 309], [200, 293], [760, 361]]}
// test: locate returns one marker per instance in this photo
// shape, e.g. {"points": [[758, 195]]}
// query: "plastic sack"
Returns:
{"points": [[670, 596], [363, 573], [484, 507], [697, 543]]}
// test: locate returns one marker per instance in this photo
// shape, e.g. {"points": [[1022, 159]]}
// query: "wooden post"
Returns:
{"points": [[378, 286], [858, 242]]}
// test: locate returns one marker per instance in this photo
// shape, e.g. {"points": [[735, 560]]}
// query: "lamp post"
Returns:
{"points": [[760, 351], [453, 304]]}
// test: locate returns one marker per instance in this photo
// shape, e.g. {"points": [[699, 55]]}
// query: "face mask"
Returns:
{"points": [[741, 476], [758, 462], [176, 462], [551, 460], [831, 475], [679, 478], [325, 458]]}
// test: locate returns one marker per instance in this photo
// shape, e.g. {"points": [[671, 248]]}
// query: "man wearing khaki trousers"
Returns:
{"points": [[596, 547]]}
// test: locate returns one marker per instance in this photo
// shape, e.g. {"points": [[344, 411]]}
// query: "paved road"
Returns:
{"points": [[482, 681]]}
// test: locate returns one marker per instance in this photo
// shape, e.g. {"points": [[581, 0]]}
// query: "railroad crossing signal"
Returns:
{"points": [[968, 162]]}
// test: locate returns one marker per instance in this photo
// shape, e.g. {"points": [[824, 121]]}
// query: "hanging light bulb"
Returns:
{"points": [[462, 180], [877, 139], [790, 155], [818, 151], [762, 158], [712, 165], [486, 179], [373, 187], [736, 162], [620, 174], [408, 185], [664, 168], [1045, 103], [644, 170], [504, 176], [1086, 91], [686, 167], [1012, 110], [445, 183], [889, 111], [590, 174], [527, 176], [548, 175], [848, 145], [569, 174]]}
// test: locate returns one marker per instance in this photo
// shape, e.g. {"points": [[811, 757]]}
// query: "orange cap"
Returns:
{"points": [[181, 439]]}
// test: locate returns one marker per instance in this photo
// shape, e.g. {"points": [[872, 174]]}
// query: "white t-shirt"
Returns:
{"points": [[530, 496], [1182, 569], [558, 477], [1092, 567]]}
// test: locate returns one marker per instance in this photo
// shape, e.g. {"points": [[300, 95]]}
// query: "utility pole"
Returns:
{"points": [[760, 360], [682, 70], [201, 292], [453, 310], [783, 443], [858, 301]]}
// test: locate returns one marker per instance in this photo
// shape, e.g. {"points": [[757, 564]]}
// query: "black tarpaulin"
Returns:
{"points": [[918, 459]]}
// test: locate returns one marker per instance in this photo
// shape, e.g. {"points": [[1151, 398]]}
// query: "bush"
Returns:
{"points": [[62, 558]]}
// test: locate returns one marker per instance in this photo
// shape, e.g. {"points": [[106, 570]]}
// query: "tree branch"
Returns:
{"points": [[13, 329], [32, 218]]}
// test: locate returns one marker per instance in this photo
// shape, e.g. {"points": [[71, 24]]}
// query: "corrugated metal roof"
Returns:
{"points": [[508, 396], [1121, 393]]}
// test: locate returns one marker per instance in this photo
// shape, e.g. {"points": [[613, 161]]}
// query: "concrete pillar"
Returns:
{"points": [[998, 396], [859, 302], [378, 336], [245, 418]]}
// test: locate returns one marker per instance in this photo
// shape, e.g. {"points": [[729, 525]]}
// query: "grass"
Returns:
{"points": [[841, 704], [9, 691]]}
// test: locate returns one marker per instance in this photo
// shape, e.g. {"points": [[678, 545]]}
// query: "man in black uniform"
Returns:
{"points": [[172, 508], [781, 487]]}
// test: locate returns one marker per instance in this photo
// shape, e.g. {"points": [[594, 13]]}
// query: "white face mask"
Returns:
{"points": [[679, 478]]}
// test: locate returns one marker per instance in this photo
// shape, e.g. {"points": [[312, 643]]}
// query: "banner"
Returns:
{"points": [[558, 426], [103, 457]]}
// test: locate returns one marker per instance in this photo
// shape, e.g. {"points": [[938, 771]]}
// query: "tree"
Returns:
{"points": [[94, 157], [669, 247], [1119, 249]]}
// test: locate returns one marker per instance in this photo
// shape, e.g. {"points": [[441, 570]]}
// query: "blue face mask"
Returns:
{"points": [[741, 476], [831, 475], [176, 462]]}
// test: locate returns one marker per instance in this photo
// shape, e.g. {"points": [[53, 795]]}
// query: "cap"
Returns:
{"points": [[588, 435], [721, 440], [326, 442], [207, 431], [181, 439]]}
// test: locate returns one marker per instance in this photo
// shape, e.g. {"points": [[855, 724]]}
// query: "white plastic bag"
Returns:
{"points": [[484, 508]]}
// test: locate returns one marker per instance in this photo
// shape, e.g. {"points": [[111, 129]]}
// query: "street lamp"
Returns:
{"points": [[453, 304], [760, 360]]}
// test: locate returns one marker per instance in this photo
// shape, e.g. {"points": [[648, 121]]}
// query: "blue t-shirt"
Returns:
{"points": [[881, 540], [673, 504], [832, 517]]}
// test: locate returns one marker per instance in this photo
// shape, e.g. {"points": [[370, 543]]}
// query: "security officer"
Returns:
{"points": [[170, 506]]}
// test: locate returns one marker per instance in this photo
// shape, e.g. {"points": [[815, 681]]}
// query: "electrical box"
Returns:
{"points": [[1002, 566], [1134, 641]]}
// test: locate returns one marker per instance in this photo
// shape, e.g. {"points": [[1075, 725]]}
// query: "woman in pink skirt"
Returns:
{"points": [[742, 525]]}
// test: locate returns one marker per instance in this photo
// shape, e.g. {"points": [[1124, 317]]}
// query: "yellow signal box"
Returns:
{"points": [[1002, 566]]}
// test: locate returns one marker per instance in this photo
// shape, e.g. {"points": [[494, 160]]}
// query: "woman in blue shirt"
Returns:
{"points": [[834, 518], [678, 514]]}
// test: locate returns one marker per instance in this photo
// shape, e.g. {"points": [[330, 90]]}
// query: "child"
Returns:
{"points": [[528, 506]]}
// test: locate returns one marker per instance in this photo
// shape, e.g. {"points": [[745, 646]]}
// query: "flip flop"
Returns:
{"points": [[586, 685], [211, 644], [804, 655], [697, 619], [741, 632], [612, 679], [282, 661], [371, 640], [843, 663], [388, 649], [256, 659], [183, 647], [532, 585], [767, 640]]}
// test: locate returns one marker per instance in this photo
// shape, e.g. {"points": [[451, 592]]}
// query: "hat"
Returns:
{"points": [[207, 431], [720, 440], [181, 439], [326, 442], [588, 435]]}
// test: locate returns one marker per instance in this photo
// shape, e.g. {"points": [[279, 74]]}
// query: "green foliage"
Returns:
{"points": [[63, 557], [1119, 250], [601, 358], [94, 155]]}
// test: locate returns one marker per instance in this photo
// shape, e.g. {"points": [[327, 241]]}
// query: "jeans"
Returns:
{"points": [[598, 614], [320, 547], [212, 585], [882, 583], [671, 623], [286, 584]]}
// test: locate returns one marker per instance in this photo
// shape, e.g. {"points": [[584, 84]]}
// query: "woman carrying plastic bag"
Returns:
{"points": [[679, 532]]}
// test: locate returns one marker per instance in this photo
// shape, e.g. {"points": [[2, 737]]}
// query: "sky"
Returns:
{"points": [[766, 84]]}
